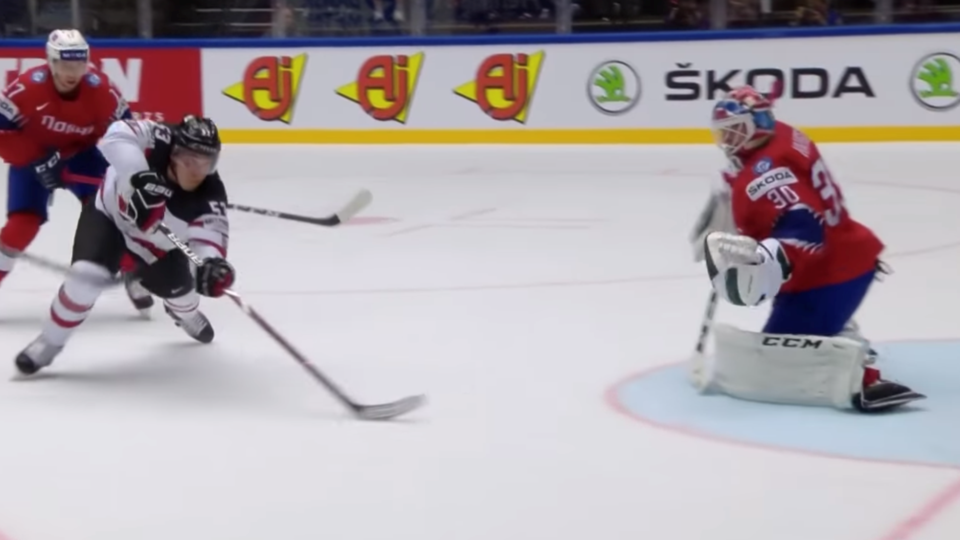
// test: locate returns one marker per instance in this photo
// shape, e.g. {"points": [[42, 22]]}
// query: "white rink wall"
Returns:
{"points": [[843, 84]]}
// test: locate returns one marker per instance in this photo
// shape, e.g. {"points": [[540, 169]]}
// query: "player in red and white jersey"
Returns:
{"points": [[51, 118], [788, 237]]}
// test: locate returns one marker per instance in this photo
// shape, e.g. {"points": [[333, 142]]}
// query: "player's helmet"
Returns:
{"points": [[742, 121], [200, 136], [68, 45]]}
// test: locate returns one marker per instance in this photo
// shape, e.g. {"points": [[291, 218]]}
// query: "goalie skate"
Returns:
{"points": [[880, 395]]}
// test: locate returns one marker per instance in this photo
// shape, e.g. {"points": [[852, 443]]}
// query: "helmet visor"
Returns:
{"points": [[195, 162]]}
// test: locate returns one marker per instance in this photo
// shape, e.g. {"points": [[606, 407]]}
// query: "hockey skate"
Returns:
{"points": [[194, 323], [139, 296], [38, 355], [879, 395]]}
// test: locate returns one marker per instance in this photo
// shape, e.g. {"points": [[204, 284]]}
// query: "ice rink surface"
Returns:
{"points": [[535, 294]]}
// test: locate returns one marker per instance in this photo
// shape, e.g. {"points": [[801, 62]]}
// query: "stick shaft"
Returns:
{"points": [[359, 201], [269, 329], [707, 322]]}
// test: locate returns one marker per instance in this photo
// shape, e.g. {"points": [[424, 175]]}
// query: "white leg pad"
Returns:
{"points": [[777, 368]]}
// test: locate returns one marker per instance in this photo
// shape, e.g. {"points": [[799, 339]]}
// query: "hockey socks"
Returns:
{"points": [[74, 301]]}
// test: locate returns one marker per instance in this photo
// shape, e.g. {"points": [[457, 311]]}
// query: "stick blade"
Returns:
{"points": [[360, 201], [389, 411]]}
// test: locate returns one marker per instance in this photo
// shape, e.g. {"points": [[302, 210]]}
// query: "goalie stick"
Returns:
{"points": [[707, 323], [346, 213], [383, 411]]}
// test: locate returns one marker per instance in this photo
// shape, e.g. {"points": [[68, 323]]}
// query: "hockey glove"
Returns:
{"points": [[148, 202], [743, 271], [215, 276], [48, 171]]}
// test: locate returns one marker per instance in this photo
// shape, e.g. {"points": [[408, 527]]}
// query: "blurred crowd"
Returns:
{"points": [[331, 18]]}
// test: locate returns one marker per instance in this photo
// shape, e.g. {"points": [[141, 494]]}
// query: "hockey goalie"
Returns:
{"points": [[777, 230]]}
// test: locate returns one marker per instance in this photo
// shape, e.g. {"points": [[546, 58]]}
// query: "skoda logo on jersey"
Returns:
{"points": [[762, 166], [93, 79], [38, 76], [781, 176]]}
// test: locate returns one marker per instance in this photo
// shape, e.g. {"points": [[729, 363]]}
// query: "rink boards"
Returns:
{"points": [[845, 84]]}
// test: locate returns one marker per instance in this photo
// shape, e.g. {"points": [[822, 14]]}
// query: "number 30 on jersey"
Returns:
{"points": [[783, 195]]}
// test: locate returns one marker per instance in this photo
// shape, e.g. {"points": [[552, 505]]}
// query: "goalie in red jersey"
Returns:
{"points": [[779, 230], [51, 118]]}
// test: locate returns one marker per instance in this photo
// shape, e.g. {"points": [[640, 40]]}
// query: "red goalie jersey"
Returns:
{"points": [[785, 191]]}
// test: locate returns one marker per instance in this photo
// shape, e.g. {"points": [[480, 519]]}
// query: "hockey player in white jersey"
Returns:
{"points": [[158, 172]]}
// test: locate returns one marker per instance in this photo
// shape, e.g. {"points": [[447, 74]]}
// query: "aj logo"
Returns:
{"points": [[270, 87], [385, 85], [504, 85]]}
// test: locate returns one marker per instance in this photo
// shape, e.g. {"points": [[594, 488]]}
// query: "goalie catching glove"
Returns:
{"points": [[743, 271]]}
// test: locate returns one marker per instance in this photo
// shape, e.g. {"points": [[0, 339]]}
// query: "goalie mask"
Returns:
{"points": [[742, 121]]}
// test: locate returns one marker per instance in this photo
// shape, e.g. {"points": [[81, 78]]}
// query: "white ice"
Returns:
{"points": [[517, 285]]}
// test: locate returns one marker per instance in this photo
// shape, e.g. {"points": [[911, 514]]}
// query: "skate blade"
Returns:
{"points": [[892, 402]]}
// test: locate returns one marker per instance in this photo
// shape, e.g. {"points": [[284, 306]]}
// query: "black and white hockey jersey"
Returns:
{"points": [[197, 217]]}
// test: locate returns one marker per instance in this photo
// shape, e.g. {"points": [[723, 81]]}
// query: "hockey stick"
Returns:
{"points": [[698, 361], [384, 411], [707, 323], [352, 208]]}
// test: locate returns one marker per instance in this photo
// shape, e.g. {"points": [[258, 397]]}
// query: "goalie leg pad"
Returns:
{"points": [[786, 369]]}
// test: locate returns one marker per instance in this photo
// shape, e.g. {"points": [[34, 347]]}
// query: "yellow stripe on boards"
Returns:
{"points": [[567, 136]]}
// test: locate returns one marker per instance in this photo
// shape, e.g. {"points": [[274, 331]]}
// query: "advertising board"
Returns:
{"points": [[901, 86], [159, 84], [871, 87]]}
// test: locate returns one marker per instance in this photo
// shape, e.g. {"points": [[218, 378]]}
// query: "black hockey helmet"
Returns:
{"points": [[199, 137], [198, 134]]}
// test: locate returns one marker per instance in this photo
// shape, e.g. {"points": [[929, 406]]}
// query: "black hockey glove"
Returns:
{"points": [[49, 170], [148, 203], [215, 276]]}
